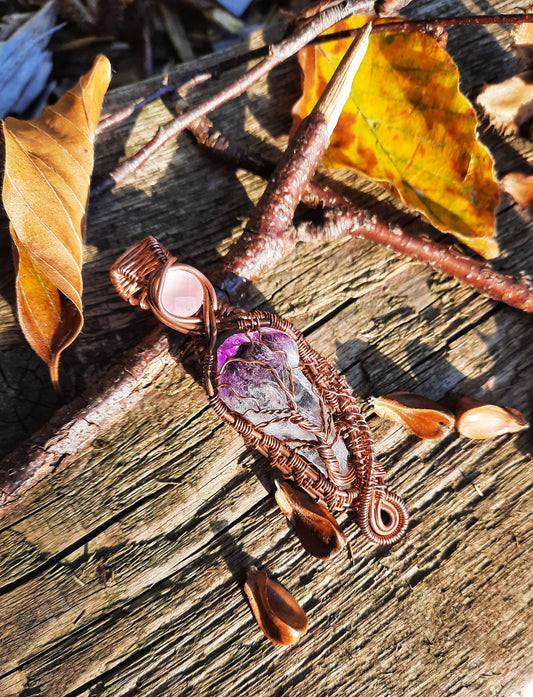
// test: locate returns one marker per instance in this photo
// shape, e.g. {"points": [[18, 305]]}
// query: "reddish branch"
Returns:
{"points": [[166, 88], [277, 53], [73, 428], [339, 218]]}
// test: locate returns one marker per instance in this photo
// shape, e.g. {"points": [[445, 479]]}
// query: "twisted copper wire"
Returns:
{"points": [[130, 273]]}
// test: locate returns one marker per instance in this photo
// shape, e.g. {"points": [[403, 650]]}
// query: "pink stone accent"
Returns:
{"points": [[182, 294]]}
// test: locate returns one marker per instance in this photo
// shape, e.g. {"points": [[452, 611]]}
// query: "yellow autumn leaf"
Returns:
{"points": [[48, 166], [407, 125]]}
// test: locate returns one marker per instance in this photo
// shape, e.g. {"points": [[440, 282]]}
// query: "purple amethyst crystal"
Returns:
{"points": [[260, 377]]}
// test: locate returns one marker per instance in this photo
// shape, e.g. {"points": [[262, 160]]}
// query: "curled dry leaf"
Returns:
{"points": [[420, 415], [479, 420], [520, 188], [509, 104], [315, 527], [278, 614], [407, 125], [49, 161]]}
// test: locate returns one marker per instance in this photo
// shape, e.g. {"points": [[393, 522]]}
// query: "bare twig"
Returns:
{"points": [[460, 21], [166, 88], [347, 220], [77, 424], [277, 53], [269, 232], [340, 218]]}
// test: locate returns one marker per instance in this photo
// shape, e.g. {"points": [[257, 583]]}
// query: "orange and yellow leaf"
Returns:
{"points": [[407, 125], [48, 168]]}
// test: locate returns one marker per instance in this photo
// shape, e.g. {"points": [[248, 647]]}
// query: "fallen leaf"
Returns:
{"points": [[48, 168], [408, 126], [509, 104], [520, 188]]}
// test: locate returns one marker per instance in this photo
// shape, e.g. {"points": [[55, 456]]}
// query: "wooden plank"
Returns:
{"points": [[121, 574]]}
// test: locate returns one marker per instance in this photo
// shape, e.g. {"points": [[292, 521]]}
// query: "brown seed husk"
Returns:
{"points": [[480, 420], [315, 527], [420, 415], [519, 187], [277, 613]]}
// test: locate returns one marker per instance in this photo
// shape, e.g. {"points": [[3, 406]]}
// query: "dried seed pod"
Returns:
{"points": [[519, 186], [479, 420], [420, 415], [278, 614], [315, 527]]}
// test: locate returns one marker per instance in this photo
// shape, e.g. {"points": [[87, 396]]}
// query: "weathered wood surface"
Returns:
{"points": [[122, 573]]}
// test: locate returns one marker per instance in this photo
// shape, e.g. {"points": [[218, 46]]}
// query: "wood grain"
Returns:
{"points": [[122, 573]]}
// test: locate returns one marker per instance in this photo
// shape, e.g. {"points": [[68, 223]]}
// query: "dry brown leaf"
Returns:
{"points": [[49, 161], [420, 415], [277, 613], [509, 104], [520, 188]]}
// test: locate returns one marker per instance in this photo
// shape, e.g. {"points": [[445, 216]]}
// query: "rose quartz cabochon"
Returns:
{"points": [[182, 293]]}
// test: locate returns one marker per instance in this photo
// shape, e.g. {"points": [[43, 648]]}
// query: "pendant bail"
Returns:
{"points": [[179, 295]]}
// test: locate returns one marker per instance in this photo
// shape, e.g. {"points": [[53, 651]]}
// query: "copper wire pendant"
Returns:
{"points": [[263, 378]]}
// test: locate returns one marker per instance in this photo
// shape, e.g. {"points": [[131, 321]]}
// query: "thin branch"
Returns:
{"points": [[269, 232], [123, 114], [423, 25], [76, 425], [277, 53], [347, 220], [339, 218]]}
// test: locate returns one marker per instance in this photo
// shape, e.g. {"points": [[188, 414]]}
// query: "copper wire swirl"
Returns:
{"points": [[138, 276]]}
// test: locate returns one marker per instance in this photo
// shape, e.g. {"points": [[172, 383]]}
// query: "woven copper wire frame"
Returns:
{"points": [[362, 489], [382, 516]]}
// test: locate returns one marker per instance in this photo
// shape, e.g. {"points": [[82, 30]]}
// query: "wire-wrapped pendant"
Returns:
{"points": [[264, 379]]}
